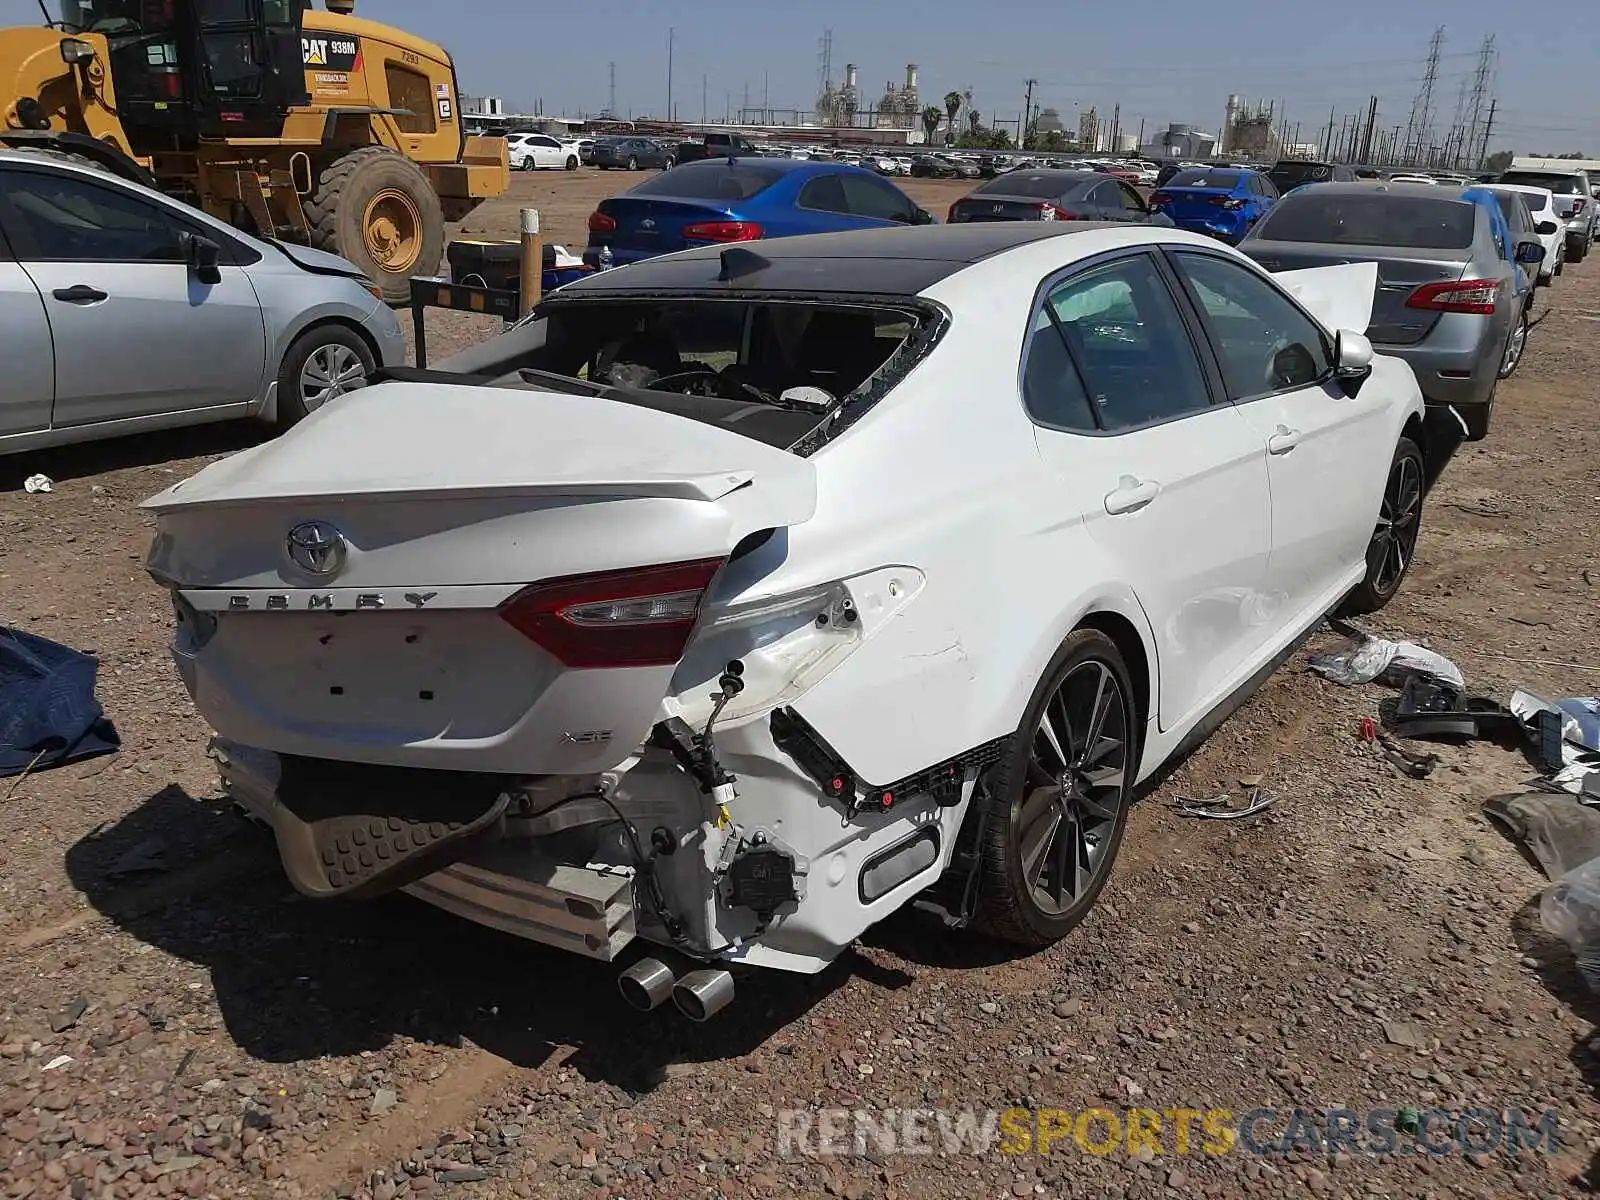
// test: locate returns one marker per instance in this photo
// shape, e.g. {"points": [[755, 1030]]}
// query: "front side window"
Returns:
{"points": [[1265, 342], [61, 218], [1126, 336], [869, 198], [409, 90]]}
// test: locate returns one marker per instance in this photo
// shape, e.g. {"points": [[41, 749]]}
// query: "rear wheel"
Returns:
{"points": [[323, 364], [1516, 344], [1060, 796], [1394, 538], [1577, 251], [572, 162], [669, 164], [377, 208], [633, 164]]}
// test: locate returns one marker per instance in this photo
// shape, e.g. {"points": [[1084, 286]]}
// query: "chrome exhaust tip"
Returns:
{"points": [[701, 995], [647, 984]]}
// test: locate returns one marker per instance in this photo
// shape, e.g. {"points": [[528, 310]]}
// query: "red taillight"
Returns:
{"points": [[635, 618], [599, 222], [1577, 205], [1464, 296], [1227, 202], [724, 231], [951, 214], [1157, 199]]}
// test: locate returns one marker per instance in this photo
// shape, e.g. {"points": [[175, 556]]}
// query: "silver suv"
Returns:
{"points": [[1574, 199]]}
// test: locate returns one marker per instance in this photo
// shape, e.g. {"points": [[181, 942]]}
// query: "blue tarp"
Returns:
{"points": [[48, 713]]}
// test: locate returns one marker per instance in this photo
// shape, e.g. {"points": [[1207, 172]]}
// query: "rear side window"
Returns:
{"points": [[1130, 345], [1206, 179], [1377, 219], [710, 181], [825, 193], [1052, 389], [1561, 185]]}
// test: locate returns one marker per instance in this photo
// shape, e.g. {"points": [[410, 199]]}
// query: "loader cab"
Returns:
{"points": [[211, 68]]}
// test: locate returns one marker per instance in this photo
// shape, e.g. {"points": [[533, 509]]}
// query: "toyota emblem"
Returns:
{"points": [[316, 547]]}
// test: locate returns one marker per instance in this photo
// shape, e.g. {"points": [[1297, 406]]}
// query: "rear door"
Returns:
{"points": [[1169, 478], [25, 351], [1324, 452], [135, 333]]}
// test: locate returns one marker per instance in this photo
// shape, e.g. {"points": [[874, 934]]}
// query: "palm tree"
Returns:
{"points": [[931, 116], [952, 105]]}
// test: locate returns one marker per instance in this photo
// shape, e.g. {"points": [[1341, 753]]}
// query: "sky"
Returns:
{"points": [[1161, 60]]}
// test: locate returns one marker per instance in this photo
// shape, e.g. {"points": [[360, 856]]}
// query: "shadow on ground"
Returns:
{"points": [[138, 450], [297, 979]]}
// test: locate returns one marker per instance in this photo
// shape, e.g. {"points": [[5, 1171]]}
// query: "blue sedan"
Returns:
{"points": [[742, 200], [1219, 202]]}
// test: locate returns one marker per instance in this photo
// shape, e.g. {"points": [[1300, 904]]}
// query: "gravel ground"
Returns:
{"points": [[175, 1022]]}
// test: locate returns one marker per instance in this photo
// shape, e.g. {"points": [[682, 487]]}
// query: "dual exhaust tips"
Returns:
{"points": [[699, 995]]}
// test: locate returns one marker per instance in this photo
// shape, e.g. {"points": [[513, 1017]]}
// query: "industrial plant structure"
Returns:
{"points": [[898, 108]]}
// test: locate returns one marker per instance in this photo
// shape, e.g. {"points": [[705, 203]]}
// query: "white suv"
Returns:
{"points": [[1575, 203]]}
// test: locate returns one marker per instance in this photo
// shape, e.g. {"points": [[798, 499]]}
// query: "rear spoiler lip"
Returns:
{"points": [[704, 488]]}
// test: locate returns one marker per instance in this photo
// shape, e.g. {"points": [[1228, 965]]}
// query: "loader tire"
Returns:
{"points": [[376, 208]]}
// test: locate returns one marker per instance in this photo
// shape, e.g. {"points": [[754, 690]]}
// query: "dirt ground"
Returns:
{"points": [[175, 1022]]}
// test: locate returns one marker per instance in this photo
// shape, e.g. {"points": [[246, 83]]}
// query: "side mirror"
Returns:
{"points": [[922, 217], [1530, 253], [1546, 228], [1352, 357], [202, 256]]}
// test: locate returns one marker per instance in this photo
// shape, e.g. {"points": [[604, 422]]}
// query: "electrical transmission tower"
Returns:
{"points": [[1482, 82], [611, 108], [825, 60], [1419, 131]]}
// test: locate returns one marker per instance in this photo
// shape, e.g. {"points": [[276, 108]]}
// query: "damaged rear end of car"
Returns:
{"points": [[512, 636]]}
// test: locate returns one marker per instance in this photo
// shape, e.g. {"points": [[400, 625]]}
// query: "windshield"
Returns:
{"points": [[105, 16], [1206, 179], [1561, 185], [1030, 183], [717, 180]]}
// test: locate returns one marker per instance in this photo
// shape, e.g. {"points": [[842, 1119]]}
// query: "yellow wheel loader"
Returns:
{"points": [[309, 125]]}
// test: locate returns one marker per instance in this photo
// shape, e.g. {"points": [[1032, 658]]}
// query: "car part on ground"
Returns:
{"points": [[693, 677]]}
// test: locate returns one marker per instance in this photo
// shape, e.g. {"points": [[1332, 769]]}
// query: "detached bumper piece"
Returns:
{"points": [[353, 831]]}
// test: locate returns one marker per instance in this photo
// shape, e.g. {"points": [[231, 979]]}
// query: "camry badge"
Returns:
{"points": [[316, 547]]}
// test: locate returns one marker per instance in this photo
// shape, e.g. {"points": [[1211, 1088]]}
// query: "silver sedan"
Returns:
{"points": [[122, 310]]}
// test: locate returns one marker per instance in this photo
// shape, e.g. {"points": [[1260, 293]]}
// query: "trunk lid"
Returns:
{"points": [[1195, 203], [447, 502], [1399, 275], [997, 208], [653, 225]]}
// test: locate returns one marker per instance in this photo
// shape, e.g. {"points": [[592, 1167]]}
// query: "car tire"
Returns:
{"points": [[633, 164], [1516, 345], [1034, 886], [1578, 251], [669, 163], [1394, 538], [378, 187], [572, 162], [328, 351]]}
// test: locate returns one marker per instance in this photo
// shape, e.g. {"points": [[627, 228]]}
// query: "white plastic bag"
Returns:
{"points": [[1570, 909], [38, 483]]}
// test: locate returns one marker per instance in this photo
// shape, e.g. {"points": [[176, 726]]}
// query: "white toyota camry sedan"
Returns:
{"points": [[738, 598]]}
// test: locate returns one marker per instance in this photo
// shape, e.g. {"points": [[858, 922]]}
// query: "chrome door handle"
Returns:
{"points": [[1283, 440], [1131, 495]]}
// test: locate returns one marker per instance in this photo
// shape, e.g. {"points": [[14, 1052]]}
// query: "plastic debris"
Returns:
{"points": [[1560, 834], [1570, 909], [1578, 771], [1393, 661], [35, 484], [59, 1061]]}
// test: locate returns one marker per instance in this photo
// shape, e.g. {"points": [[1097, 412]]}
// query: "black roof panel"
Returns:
{"points": [[896, 262]]}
